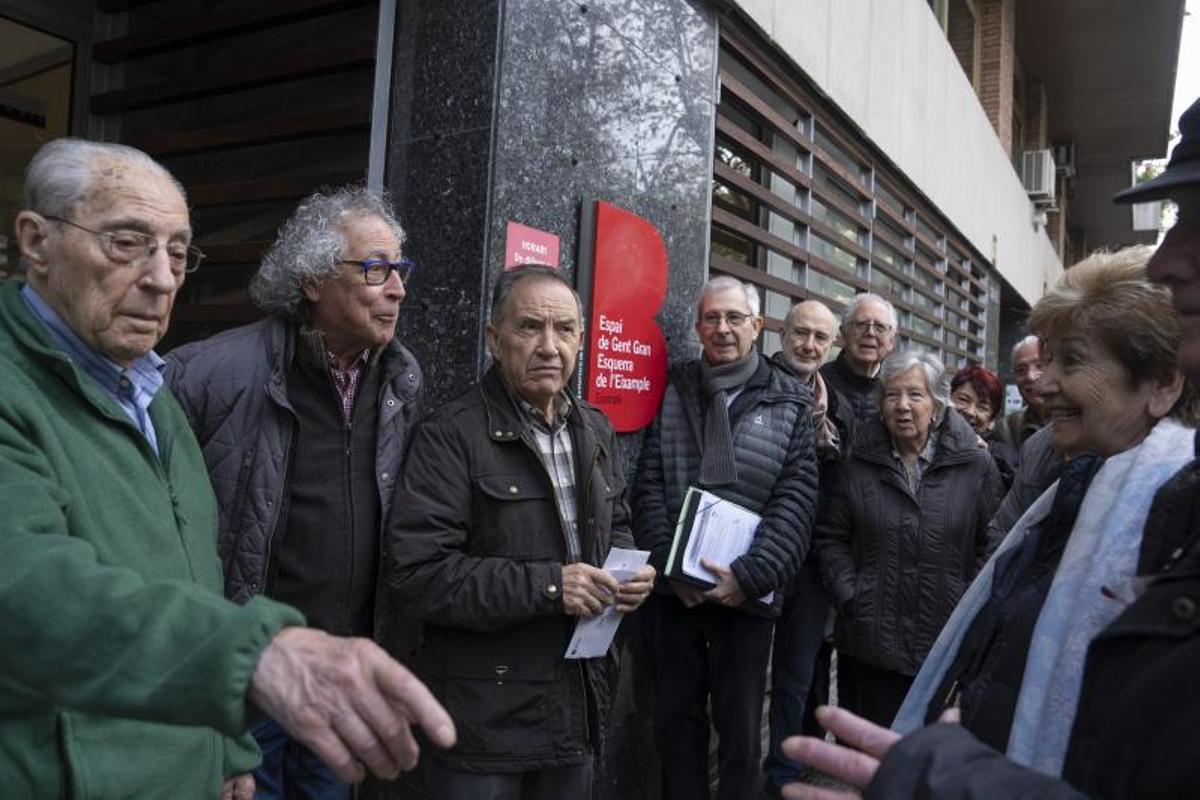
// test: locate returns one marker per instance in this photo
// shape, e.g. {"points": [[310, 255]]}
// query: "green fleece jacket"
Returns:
{"points": [[123, 671]]}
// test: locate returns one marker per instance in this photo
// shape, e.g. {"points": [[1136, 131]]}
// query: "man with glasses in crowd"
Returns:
{"points": [[741, 428], [125, 673], [868, 336], [303, 419]]}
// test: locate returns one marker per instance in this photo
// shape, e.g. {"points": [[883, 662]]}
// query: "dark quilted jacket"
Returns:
{"points": [[775, 454], [233, 388], [896, 564]]}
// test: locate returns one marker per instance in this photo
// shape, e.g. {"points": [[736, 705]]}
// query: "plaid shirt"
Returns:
{"points": [[346, 380], [558, 457]]}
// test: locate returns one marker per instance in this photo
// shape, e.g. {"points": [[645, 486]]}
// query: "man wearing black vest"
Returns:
{"points": [[735, 425], [868, 336], [303, 419]]}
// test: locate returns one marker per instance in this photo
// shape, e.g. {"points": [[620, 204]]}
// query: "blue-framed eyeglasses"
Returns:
{"points": [[376, 270]]}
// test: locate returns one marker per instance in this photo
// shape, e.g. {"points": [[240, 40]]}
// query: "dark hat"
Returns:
{"points": [[1182, 170]]}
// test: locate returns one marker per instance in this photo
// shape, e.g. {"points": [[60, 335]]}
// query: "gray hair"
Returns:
{"points": [[1031, 339], [859, 299], [61, 173], [310, 245], [936, 379], [510, 278], [723, 282]]}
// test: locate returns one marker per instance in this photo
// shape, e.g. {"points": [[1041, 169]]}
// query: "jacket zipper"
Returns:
{"points": [[349, 489]]}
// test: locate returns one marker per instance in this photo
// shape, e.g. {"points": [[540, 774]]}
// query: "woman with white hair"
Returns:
{"points": [[903, 532]]}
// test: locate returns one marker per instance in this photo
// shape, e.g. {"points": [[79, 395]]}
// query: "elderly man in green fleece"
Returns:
{"points": [[123, 671]]}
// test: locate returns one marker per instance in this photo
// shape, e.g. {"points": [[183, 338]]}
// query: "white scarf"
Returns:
{"points": [[1102, 551]]}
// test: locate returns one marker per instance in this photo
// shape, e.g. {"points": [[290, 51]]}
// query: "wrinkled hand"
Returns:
{"points": [[239, 787], [587, 590], [347, 701], [632, 592], [727, 592], [856, 765], [690, 596]]}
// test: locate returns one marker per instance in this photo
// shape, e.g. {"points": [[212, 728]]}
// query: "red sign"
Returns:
{"points": [[627, 357], [526, 245]]}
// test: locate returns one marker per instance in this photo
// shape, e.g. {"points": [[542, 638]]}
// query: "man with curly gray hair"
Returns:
{"points": [[303, 418]]}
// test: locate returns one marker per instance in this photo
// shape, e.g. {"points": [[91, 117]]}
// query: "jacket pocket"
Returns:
{"points": [[233, 524], [502, 687], [517, 517]]}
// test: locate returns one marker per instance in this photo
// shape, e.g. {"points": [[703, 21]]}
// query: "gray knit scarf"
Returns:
{"points": [[717, 467]]}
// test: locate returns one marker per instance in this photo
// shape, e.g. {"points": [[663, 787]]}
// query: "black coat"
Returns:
{"points": [[861, 392], [774, 452], [1135, 727], [233, 387], [895, 563], [477, 552]]}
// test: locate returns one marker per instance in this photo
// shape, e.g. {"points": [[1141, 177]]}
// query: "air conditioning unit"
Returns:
{"points": [[1038, 176], [1064, 157]]}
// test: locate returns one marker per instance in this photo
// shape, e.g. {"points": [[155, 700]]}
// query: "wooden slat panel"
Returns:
{"points": [[242, 134], [768, 114], [930, 244], [897, 219], [890, 271], [759, 235], [117, 6], [219, 194], [831, 270], [787, 89], [233, 252], [224, 313], [247, 76], [783, 126], [835, 237], [764, 154], [749, 274], [841, 205], [886, 237], [242, 18], [762, 194]]}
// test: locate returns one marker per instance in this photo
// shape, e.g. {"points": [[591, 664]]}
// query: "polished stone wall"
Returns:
{"points": [[527, 111]]}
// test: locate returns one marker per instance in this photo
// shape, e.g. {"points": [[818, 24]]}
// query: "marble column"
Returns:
{"points": [[527, 111]]}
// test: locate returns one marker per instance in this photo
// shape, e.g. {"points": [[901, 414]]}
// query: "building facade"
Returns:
{"points": [[951, 155]]}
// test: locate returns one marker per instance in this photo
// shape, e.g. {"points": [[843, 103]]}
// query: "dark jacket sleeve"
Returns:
{"points": [[1039, 467], [622, 529], [432, 575], [990, 493], [782, 538], [945, 762], [652, 527], [185, 389], [831, 542]]}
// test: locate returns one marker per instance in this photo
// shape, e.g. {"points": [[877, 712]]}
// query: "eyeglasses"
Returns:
{"points": [[868, 325], [376, 270], [713, 318], [136, 248]]}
